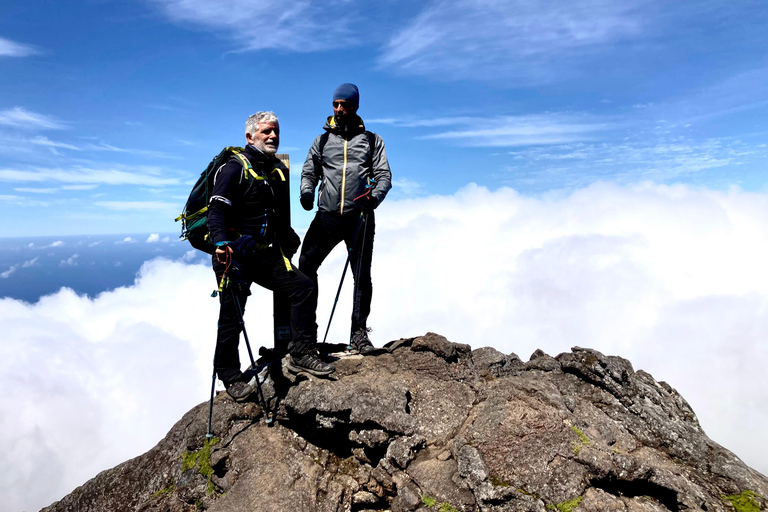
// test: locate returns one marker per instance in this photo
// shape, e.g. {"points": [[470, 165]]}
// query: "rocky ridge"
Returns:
{"points": [[432, 425]]}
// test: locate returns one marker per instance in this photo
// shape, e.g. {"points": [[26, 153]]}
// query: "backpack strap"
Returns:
{"points": [[371, 145], [248, 171]]}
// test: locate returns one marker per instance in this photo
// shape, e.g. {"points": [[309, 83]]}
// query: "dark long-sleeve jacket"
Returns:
{"points": [[243, 206], [344, 166]]}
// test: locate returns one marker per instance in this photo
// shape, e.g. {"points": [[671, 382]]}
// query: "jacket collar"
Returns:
{"points": [[353, 128]]}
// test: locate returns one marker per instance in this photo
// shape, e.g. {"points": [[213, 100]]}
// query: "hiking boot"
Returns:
{"points": [[240, 390], [309, 362], [360, 341]]}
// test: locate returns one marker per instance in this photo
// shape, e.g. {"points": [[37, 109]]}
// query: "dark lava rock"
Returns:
{"points": [[432, 425]]}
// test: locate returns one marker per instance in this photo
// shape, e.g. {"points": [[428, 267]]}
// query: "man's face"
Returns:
{"points": [[266, 138], [342, 110]]}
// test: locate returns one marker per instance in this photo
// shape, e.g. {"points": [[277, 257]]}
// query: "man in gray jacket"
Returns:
{"points": [[350, 163]]}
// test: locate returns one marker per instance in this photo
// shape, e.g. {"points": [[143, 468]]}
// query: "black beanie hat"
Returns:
{"points": [[349, 93]]}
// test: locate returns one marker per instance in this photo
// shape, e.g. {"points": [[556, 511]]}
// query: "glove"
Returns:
{"points": [[242, 246], [307, 200], [368, 202], [289, 243]]}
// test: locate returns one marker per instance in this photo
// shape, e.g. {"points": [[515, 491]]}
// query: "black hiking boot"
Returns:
{"points": [[360, 341], [239, 390], [309, 362]]}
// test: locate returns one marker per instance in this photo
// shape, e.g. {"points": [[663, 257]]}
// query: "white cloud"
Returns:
{"points": [[13, 268], [155, 238], [20, 118], [30, 190], [30, 263], [10, 48], [126, 240], [138, 205], [102, 146], [642, 157], [72, 261], [295, 25], [670, 277], [476, 38], [87, 378], [57, 243], [407, 187], [524, 130], [633, 271], [8, 273], [45, 141], [78, 187], [148, 177]]}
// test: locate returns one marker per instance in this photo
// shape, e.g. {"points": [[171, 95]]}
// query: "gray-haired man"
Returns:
{"points": [[254, 244]]}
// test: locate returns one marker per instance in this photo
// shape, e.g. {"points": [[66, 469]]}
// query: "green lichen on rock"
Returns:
{"points": [[497, 482], [528, 493], [427, 501], [202, 460], [166, 490], [447, 507], [744, 502], [582, 442], [566, 506]]}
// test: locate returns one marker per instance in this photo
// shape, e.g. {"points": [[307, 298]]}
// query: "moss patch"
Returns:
{"points": [[528, 493], [447, 507], [427, 501], [744, 502], [566, 506], [497, 482], [202, 460], [582, 442], [167, 490]]}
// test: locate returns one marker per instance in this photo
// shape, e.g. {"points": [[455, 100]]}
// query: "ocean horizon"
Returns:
{"points": [[33, 267]]}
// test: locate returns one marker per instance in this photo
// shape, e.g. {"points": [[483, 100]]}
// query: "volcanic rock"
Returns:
{"points": [[431, 425]]}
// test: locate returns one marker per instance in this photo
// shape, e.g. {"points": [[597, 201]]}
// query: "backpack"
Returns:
{"points": [[194, 217]]}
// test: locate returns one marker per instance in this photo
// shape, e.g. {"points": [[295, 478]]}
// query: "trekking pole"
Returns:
{"points": [[209, 434], [253, 363], [242, 324], [356, 274], [343, 273]]}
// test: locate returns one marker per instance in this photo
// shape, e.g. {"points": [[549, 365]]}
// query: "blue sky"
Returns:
{"points": [[110, 109]]}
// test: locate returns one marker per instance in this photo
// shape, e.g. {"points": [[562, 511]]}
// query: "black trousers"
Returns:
{"points": [[266, 268], [325, 232]]}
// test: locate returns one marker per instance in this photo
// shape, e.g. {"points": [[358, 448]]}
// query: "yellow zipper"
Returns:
{"points": [[344, 176]]}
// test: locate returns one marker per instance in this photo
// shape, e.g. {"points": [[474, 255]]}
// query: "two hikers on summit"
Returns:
{"points": [[255, 242]]}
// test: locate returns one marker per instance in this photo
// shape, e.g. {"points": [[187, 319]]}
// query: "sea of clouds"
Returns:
{"points": [[670, 277]]}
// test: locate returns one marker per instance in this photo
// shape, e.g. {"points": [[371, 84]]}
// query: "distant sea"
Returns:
{"points": [[33, 267]]}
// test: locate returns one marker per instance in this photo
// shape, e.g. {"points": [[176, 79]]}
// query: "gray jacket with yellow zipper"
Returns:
{"points": [[345, 168]]}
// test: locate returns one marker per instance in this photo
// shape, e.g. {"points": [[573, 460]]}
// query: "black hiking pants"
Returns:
{"points": [[266, 268], [325, 232]]}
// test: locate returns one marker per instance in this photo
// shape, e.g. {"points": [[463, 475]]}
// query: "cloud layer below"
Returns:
{"points": [[671, 278]]}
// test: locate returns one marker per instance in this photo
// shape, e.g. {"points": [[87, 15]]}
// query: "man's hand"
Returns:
{"points": [[221, 253], [290, 243], [367, 201], [307, 200]]}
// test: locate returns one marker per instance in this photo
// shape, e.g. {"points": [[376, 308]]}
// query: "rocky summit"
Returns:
{"points": [[431, 425]]}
